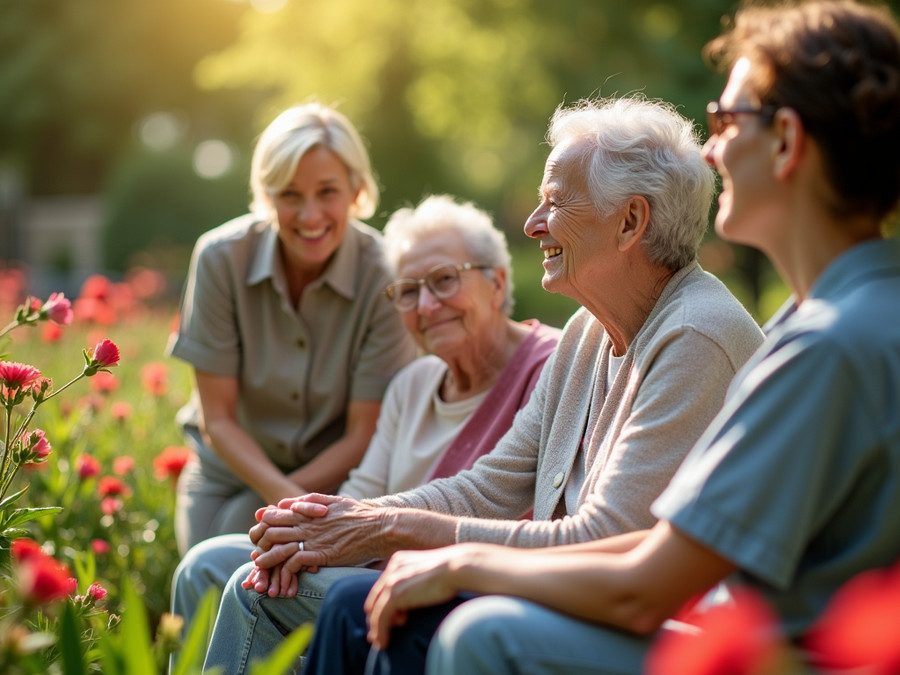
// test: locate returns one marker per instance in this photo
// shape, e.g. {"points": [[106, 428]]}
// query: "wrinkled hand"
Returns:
{"points": [[412, 579], [335, 531]]}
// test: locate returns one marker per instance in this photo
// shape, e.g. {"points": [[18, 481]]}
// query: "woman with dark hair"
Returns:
{"points": [[795, 486]]}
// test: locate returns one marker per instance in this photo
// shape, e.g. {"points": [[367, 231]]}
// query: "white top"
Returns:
{"points": [[414, 428]]}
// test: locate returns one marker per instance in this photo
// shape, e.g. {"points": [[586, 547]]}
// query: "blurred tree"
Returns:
{"points": [[76, 77]]}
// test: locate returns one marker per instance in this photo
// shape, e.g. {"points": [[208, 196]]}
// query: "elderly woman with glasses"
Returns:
{"points": [[443, 410], [638, 374], [795, 487]]}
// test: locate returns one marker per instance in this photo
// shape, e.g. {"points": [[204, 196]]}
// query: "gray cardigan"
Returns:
{"points": [[670, 385]]}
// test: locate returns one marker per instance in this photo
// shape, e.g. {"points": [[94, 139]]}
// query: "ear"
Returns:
{"points": [[499, 281], [635, 218], [788, 144]]}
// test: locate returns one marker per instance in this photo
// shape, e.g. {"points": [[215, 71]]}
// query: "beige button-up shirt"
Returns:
{"points": [[297, 368]]}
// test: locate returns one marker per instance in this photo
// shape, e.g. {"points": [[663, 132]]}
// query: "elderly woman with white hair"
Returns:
{"points": [[638, 374], [291, 341], [453, 290]]}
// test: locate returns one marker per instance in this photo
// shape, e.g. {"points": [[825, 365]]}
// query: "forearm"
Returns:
{"points": [[414, 529], [330, 468], [248, 461]]}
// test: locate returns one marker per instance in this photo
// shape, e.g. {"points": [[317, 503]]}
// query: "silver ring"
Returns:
{"points": [[300, 546]]}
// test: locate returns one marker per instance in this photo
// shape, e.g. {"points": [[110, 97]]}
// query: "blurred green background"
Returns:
{"points": [[154, 105]]}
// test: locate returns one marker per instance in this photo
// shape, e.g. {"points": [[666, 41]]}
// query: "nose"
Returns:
{"points": [[428, 302], [308, 212], [536, 224], [708, 149]]}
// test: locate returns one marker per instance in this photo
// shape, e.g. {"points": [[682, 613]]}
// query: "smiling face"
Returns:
{"points": [[313, 210], [577, 242], [740, 153], [461, 322]]}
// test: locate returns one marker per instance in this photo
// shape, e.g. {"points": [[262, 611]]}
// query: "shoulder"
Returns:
{"points": [[370, 264], [237, 236], [702, 305], [420, 375]]}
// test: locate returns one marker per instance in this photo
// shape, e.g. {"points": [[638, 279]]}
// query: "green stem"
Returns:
{"points": [[6, 447], [8, 481], [9, 327]]}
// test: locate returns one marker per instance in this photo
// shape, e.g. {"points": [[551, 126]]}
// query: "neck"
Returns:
{"points": [[813, 242], [477, 369], [624, 312]]}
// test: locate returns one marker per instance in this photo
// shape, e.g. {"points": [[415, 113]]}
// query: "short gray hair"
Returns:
{"points": [[635, 146], [442, 213], [290, 136]]}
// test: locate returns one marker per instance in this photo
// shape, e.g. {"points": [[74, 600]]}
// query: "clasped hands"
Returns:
{"points": [[334, 531]]}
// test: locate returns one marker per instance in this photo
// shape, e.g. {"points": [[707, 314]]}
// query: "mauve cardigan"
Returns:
{"points": [[671, 384]]}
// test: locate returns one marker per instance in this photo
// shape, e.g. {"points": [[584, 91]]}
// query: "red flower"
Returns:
{"points": [[43, 579], [860, 630], [171, 461], [120, 411], [154, 377], [58, 309], [110, 505], [123, 465], [110, 486], [100, 546], [25, 549], [87, 467], [97, 287], [51, 332], [17, 375], [106, 353], [96, 591], [104, 382], [737, 638]]}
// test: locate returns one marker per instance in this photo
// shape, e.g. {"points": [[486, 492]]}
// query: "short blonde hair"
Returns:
{"points": [[290, 136]]}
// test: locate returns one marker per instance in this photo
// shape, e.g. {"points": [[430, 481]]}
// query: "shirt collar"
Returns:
{"points": [[340, 272], [866, 260]]}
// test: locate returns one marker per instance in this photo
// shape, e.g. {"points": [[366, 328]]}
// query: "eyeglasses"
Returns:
{"points": [[718, 119], [442, 281]]}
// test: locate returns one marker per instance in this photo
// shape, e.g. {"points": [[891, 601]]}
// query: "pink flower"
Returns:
{"points": [[17, 375], [97, 287], [100, 546], [860, 630], [111, 505], [171, 461], [120, 411], [106, 353], [58, 309], [739, 639], [110, 486], [87, 467], [154, 377], [96, 591], [123, 465], [104, 383], [39, 445]]}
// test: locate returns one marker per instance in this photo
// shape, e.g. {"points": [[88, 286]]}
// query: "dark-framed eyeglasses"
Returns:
{"points": [[442, 280], [718, 118]]}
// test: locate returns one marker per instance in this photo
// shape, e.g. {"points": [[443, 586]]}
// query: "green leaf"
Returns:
{"points": [[85, 569], [20, 516], [70, 642], [135, 634], [285, 657], [190, 659], [9, 499], [111, 658]]}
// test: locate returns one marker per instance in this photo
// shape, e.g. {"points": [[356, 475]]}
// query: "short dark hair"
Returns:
{"points": [[837, 64]]}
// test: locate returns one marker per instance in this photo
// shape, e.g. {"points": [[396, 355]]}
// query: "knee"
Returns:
{"points": [[475, 637]]}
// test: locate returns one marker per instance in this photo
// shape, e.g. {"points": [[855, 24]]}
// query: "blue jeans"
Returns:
{"points": [[486, 635], [250, 625]]}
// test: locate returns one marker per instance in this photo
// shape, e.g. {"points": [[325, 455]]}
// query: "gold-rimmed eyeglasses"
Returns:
{"points": [[441, 280], [718, 118]]}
